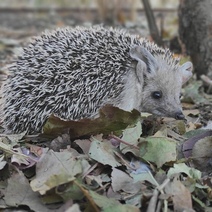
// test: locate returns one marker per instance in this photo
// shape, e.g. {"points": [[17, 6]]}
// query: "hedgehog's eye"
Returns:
{"points": [[180, 95], [157, 94]]}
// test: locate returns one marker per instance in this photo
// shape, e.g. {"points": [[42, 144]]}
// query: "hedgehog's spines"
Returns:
{"points": [[71, 73]]}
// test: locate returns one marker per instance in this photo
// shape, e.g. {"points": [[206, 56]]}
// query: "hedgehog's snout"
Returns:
{"points": [[179, 115]]}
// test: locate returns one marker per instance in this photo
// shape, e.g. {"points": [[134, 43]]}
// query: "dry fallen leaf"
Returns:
{"points": [[202, 155], [19, 192], [53, 169], [123, 182], [111, 119], [103, 152], [180, 196]]}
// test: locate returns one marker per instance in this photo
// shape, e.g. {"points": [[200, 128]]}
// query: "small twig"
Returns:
{"points": [[152, 23], [153, 201], [102, 188], [88, 196], [122, 141], [89, 170], [160, 188], [124, 161], [153, 179], [166, 181], [208, 81], [25, 136], [158, 209]]}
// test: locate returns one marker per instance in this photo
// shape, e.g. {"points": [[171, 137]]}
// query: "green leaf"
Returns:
{"points": [[192, 93], [70, 191], [158, 150], [111, 205], [131, 136], [145, 176], [183, 168], [103, 152]]}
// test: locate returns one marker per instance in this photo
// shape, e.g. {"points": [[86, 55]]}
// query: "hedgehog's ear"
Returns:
{"points": [[141, 66], [186, 71], [143, 56]]}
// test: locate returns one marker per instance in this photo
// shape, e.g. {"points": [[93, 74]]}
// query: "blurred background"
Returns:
{"points": [[22, 19], [36, 15]]}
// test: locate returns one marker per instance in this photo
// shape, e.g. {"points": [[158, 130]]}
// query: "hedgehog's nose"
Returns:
{"points": [[179, 115]]}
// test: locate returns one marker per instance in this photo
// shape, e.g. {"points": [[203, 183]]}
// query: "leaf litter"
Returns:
{"points": [[113, 163], [120, 169]]}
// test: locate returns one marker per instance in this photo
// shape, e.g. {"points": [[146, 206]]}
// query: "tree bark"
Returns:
{"points": [[195, 30], [152, 23]]}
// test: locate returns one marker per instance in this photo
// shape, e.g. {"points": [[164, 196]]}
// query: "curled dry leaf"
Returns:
{"points": [[110, 119], [202, 155], [180, 196], [189, 144]]}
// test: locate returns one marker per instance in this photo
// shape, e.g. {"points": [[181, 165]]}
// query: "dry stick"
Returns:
{"points": [[89, 170], [208, 81], [88, 196], [158, 209], [122, 141], [124, 162], [151, 23], [25, 136], [159, 206], [160, 188], [102, 188], [153, 201]]}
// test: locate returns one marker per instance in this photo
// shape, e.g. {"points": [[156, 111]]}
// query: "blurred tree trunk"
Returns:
{"points": [[195, 30], [154, 32]]}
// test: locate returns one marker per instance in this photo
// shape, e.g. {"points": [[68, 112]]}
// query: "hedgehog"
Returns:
{"points": [[73, 72]]}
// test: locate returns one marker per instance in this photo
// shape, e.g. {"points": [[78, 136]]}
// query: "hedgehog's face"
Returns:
{"points": [[161, 94], [161, 84]]}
